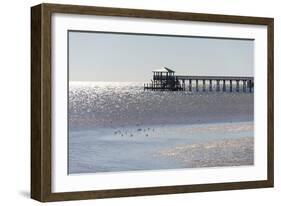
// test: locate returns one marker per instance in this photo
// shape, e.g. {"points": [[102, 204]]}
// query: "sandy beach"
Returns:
{"points": [[225, 152]]}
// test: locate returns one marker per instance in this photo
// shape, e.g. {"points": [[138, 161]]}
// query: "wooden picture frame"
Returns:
{"points": [[41, 98]]}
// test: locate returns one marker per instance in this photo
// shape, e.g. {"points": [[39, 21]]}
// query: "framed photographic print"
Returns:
{"points": [[129, 102]]}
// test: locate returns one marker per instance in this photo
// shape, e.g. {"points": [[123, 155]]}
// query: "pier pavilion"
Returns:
{"points": [[165, 80]]}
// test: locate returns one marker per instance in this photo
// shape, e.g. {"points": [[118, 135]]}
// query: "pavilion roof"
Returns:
{"points": [[164, 69]]}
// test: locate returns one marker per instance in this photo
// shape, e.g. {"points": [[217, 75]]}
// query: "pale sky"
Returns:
{"points": [[131, 58]]}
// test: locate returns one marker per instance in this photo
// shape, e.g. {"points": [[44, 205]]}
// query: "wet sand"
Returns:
{"points": [[224, 152]]}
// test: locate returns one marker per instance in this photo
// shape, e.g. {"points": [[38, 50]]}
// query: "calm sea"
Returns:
{"points": [[116, 126], [111, 104]]}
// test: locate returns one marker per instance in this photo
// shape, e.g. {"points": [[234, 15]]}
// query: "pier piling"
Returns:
{"points": [[250, 85], [204, 85], [218, 85], [244, 85], [237, 85], [223, 86], [210, 85], [190, 85]]}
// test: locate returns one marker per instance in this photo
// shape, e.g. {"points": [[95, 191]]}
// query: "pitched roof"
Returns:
{"points": [[164, 69]]}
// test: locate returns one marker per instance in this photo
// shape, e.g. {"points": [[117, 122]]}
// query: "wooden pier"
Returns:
{"points": [[166, 80]]}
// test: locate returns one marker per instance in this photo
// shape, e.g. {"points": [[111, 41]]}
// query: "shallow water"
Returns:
{"points": [[129, 148]]}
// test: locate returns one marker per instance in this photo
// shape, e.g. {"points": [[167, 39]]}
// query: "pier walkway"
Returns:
{"points": [[166, 80]]}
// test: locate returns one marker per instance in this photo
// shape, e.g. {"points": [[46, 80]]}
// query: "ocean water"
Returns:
{"points": [[117, 127]]}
